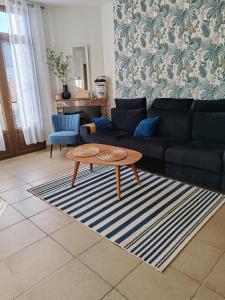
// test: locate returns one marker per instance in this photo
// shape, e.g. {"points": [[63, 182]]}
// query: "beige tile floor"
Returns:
{"points": [[46, 255]]}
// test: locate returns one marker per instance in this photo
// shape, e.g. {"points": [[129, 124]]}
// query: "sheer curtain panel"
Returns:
{"points": [[2, 143], [29, 59]]}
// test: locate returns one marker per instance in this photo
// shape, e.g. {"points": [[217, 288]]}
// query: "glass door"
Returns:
{"points": [[9, 111], [5, 114]]}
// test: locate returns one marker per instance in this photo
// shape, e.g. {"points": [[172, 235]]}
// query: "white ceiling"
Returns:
{"points": [[74, 2]]}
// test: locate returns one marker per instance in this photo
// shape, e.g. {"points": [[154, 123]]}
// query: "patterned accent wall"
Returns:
{"points": [[170, 48]]}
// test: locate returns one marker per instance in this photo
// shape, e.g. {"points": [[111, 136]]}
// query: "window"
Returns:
{"points": [[3, 22]]}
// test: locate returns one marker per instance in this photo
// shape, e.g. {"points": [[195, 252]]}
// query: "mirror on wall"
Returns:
{"points": [[81, 67]]}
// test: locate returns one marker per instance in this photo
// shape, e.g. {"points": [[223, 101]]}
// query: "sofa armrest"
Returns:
{"points": [[87, 129]]}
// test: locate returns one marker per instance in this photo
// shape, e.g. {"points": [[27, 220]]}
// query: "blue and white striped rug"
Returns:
{"points": [[153, 221]]}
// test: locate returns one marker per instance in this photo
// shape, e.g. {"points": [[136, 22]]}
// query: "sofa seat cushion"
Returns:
{"points": [[154, 147], [108, 137], [198, 155], [63, 137]]}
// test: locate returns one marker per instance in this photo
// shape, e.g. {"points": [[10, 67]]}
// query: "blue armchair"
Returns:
{"points": [[66, 130]]}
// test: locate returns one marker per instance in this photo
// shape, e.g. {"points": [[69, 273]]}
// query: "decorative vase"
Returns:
{"points": [[66, 94], [100, 87]]}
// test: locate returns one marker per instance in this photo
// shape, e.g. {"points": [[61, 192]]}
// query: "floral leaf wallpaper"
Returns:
{"points": [[170, 48]]}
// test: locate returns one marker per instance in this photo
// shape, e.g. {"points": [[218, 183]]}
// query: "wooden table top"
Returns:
{"points": [[132, 156]]}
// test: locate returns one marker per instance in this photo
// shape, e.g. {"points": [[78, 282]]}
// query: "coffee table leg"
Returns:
{"points": [[76, 167], [135, 173], [91, 167], [118, 181]]}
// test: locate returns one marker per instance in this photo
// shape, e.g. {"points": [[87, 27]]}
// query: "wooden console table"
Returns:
{"points": [[75, 102]]}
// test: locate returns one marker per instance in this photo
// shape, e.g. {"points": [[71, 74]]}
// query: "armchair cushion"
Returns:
{"points": [[63, 137], [66, 122]]}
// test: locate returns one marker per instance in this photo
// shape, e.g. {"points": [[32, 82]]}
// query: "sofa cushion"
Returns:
{"points": [[131, 103], [172, 104], [209, 127], [146, 128], [151, 147], [209, 105], [177, 124], [198, 155], [102, 122], [128, 120], [108, 137]]}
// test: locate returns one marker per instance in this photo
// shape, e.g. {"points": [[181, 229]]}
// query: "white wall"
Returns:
{"points": [[109, 49], [78, 25]]}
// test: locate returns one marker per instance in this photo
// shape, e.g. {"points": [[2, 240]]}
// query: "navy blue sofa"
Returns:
{"points": [[188, 144]]}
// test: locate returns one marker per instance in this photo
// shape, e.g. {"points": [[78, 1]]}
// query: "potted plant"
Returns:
{"points": [[60, 65]]}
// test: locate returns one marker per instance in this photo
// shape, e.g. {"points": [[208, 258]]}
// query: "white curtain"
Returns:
{"points": [[2, 143], [29, 60]]}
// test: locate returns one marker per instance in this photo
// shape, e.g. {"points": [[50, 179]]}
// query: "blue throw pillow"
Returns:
{"points": [[102, 123], [147, 127]]}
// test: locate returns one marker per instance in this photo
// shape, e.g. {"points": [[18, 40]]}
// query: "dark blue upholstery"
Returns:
{"points": [[209, 105], [131, 103], [175, 118], [172, 104], [209, 127], [154, 147], [205, 156], [127, 119], [66, 129], [188, 143], [108, 136]]}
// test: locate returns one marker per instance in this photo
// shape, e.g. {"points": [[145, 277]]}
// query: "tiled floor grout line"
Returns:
{"points": [[27, 246], [193, 279], [15, 187], [102, 298], [207, 275], [80, 253], [77, 256], [45, 277], [83, 263], [131, 271], [25, 218], [33, 214], [201, 284], [73, 256], [110, 292], [43, 229], [121, 294], [208, 244]]}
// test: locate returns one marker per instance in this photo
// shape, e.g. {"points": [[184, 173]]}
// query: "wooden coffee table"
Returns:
{"points": [[130, 160]]}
